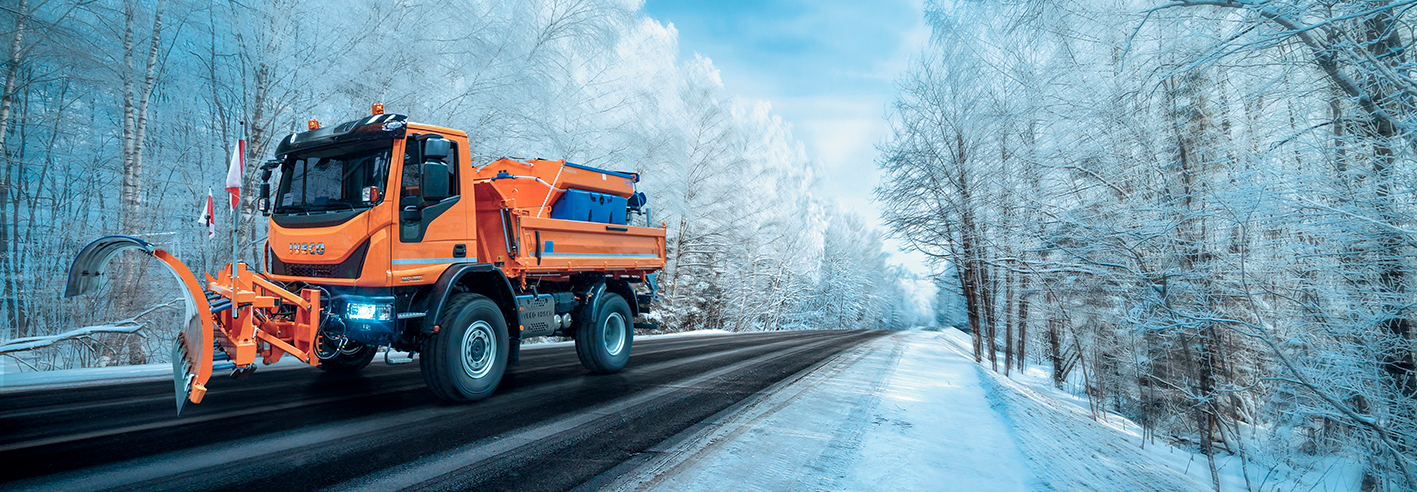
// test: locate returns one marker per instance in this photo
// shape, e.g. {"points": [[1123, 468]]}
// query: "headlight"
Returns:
{"points": [[369, 312]]}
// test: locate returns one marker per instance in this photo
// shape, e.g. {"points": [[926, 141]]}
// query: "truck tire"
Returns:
{"points": [[603, 342], [465, 359], [353, 357]]}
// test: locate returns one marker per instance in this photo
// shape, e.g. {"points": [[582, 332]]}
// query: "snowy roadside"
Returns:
{"points": [[1067, 450], [90, 376], [912, 411], [892, 414], [1048, 420], [12, 379]]}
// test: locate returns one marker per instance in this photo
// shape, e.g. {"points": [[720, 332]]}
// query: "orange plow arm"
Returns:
{"points": [[236, 317]]}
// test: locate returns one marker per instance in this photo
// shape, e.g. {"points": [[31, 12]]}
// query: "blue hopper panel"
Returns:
{"points": [[589, 206]]}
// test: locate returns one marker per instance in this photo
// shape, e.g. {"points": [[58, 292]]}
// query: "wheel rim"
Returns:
{"points": [[479, 349], [612, 333]]}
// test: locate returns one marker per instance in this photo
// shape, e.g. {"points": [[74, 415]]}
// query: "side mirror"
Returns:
{"points": [[411, 214], [435, 181], [437, 149], [263, 202]]}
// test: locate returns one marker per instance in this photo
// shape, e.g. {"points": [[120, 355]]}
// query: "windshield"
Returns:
{"points": [[334, 178]]}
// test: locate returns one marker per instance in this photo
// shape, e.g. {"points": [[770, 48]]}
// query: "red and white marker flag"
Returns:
{"points": [[209, 215], [233, 172]]}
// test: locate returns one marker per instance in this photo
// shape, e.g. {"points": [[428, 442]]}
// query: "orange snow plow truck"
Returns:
{"points": [[383, 233]]}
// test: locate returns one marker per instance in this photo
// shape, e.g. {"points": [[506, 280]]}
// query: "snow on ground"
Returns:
{"points": [[1068, 450], [1040, 411], [912, 411], [68, 378]]}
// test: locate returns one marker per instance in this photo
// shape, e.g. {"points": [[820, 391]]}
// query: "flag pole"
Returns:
{"points": [[236, 215]]}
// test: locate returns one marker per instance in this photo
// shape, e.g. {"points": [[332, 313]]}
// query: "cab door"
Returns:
{"points": [[433, 217]]}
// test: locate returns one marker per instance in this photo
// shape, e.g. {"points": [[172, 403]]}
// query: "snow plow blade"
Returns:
{"points": [[191, 352], [240, 313]]}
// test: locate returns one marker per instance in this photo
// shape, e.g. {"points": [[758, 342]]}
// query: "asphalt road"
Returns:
{"points": [[551, 425]]}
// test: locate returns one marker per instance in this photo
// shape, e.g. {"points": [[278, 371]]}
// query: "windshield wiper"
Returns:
{"points": [[327, 205], [292, 209]]}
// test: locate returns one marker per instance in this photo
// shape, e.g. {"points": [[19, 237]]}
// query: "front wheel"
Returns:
{"points": [[347, 357], [603, 343], [465, 360]]}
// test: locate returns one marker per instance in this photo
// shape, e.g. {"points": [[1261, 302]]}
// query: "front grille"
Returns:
{"points": [[349, 268], [302, 270]]}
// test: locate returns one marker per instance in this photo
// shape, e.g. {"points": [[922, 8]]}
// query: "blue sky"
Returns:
{"points": [[826, 66]]}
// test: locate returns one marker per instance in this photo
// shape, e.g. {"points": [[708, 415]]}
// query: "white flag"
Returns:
{"points": [[208, 215], [233, 172]]}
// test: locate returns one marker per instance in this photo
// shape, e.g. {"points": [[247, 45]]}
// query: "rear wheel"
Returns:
{"points": [[603, 342], [465, 360], [347, 357]]}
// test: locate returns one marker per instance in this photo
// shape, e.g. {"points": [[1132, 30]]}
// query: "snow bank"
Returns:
{"points": [[68, 378], [31, 343], [1039, 412]]}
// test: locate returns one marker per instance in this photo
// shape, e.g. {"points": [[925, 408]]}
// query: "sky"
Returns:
{"points": [[826, 66]]}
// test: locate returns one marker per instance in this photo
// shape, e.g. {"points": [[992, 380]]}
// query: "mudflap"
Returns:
{"points": [[192, 350]]}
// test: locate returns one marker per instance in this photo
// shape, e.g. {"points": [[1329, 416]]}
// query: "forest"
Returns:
{"points": [[1195, 213], [118, 117]]}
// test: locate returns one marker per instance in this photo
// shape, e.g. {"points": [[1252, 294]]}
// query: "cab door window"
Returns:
{"points": [[422, 198]]}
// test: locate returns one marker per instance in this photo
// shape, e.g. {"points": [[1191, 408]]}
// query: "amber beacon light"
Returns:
{"points": [[314, 124], [378, 109]]}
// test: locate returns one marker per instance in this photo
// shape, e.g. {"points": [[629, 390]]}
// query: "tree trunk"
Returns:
{"points": [[968, 279], [128, 194], [1022, 357], [1009, 302], [973, 279], [12, 73], [1061, 366], [9, 294], [135, 122], [989, 316]]}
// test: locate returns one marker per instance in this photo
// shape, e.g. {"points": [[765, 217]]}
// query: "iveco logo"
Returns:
{"points": [[307, 248]]}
